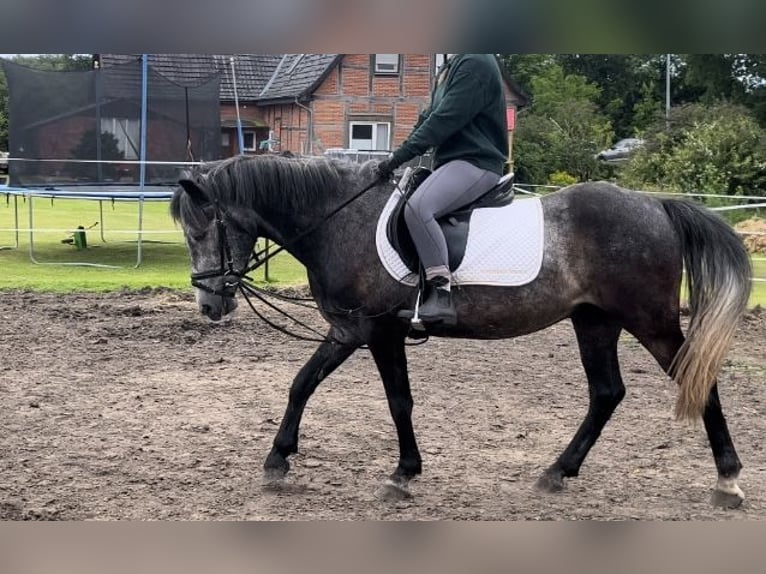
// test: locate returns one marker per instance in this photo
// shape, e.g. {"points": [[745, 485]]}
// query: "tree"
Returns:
{"points": [[563, 129], [628, 84], [523, 67], [711, 78]]}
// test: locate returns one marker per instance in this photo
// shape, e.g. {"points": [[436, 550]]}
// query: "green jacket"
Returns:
{"points": [[466, 119]]}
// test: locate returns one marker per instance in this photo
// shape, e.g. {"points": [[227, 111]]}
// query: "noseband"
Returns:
{"points": [[232, 276]]}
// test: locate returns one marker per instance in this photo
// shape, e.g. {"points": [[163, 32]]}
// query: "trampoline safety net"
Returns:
{"points": [[59, 119]]}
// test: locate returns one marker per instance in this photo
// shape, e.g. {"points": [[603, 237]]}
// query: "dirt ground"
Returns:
{"points": [[134, 406]]}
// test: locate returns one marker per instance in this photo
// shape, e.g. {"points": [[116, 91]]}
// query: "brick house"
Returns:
{"points": [[312, 103]]}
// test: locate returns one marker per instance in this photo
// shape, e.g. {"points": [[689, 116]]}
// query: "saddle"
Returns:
{"points": [[454, 225]]}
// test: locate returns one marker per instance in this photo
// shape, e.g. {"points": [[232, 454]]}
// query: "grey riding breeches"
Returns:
{"points": [[447, 189]]}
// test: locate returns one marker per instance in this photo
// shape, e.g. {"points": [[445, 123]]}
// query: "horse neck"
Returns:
{"points": [[312, 232], [286, 218]]}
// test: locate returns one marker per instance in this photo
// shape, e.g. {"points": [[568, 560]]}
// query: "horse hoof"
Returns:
{"points": [[393, 491], [727, 500], [273, 477], [550, 483]]}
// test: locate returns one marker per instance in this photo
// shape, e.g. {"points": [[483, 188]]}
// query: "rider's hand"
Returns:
{"points": [[386, 168]]}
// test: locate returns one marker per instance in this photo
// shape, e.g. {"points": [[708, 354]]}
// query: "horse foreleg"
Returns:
{"points": [[391, 360], [324, 361], [597, 336]]}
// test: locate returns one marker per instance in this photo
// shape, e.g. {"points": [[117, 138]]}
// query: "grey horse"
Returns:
{"points": [[613, 261]]}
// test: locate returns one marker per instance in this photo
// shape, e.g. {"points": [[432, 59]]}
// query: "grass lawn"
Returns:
{"points": [[165, 262], [758, 295]]}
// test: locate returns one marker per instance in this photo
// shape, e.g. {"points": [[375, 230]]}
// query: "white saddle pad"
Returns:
{"points": [[505, 245]]}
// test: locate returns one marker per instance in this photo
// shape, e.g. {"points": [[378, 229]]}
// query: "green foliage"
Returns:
{"points": [[523, 67], [625, 81], [716, 149], [561, 179], [562, 131], [712, 76], [647, 110], [553, 90], [56, 62], [3, 112]]}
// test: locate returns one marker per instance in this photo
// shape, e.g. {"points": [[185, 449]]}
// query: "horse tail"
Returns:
{"points": [[718, 278]]}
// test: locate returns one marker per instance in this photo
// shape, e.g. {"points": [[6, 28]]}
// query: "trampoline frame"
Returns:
{"points": [[101, 196]]}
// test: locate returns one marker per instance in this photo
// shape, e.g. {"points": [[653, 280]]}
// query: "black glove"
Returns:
{"points": [[386, 168]]}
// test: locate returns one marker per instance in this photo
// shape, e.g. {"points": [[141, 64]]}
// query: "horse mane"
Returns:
{"points": [[284, 183]]}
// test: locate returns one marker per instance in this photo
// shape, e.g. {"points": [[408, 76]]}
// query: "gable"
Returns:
{"points": [[297, 75]]}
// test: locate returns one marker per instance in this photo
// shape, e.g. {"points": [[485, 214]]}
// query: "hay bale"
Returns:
{"points": [[753, 233]]}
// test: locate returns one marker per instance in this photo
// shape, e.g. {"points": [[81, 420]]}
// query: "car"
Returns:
{"points": [[3, 162], [621, 150]]}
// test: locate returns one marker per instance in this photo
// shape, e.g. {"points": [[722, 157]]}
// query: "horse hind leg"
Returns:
{"points": [[727, 493], [597, 337]]}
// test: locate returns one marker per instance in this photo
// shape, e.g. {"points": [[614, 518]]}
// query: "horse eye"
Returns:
{"points": [[198, 235]]}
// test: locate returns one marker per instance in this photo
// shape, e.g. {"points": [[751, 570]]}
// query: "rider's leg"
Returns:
{"points": [[450, 187]]}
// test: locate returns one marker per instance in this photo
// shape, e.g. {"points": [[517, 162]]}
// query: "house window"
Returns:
{"points": [[439, 60], [126, 131], [369, 136], [386, 63], [249, 140], [225, 139]]}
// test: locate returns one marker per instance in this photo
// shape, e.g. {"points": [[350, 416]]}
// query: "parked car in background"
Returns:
{"points": [[3, 162], [621, 150]]}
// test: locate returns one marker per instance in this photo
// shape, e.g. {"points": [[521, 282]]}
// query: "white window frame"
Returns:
{"points": [[439, 60], [387, 64], [126, 131], [375, 145], [244, 141]]}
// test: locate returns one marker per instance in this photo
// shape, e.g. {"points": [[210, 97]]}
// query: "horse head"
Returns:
{"points": [[220, 239]]}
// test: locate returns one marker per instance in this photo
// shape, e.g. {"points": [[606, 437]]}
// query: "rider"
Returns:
{"points": [[466, 126]]}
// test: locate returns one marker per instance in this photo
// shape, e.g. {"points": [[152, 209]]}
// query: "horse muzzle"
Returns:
{"points": [[215, 307]]}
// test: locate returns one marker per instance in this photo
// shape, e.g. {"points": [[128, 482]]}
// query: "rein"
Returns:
{"points": [[239, 281], [259, 257]]}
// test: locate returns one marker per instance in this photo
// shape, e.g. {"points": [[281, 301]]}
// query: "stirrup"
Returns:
{"points": [[413, 316]]}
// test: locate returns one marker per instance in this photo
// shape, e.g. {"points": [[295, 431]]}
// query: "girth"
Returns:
{"points": [[454, 225]]}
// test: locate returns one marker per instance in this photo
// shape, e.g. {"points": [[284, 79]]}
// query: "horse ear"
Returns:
{"points": [[196, 193]]}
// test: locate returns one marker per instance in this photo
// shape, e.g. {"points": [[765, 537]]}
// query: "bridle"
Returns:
{"points": [[232, 276]]}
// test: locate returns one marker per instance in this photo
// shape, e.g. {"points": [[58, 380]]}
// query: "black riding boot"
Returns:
{"points": [[438, 306]]}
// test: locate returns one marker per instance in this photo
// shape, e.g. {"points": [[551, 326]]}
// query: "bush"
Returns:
{"points": [[561, 178], [705, 149]]}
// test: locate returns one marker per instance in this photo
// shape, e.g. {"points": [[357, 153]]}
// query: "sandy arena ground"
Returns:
{"points": [[134, 406]]}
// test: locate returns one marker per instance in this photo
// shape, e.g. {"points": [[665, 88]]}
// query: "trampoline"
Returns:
{"points": [[121, 133]]}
